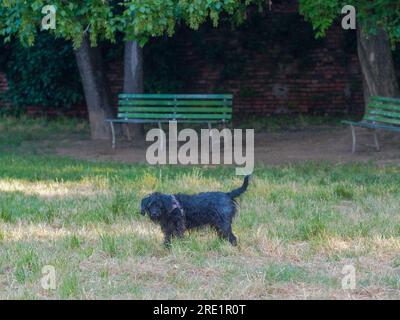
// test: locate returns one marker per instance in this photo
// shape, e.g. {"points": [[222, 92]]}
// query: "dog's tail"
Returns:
{"points": [[237, 192]]}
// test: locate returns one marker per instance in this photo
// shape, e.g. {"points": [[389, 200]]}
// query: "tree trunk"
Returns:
{"points": [[96, 89], [133, 82], [375, 55]]}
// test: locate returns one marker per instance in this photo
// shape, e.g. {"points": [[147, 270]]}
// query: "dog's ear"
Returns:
{"points": [[146, 202], [169, 203]]}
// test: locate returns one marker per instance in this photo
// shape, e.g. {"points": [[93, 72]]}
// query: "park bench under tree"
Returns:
{"points": [[163, 108], [381, 113]]}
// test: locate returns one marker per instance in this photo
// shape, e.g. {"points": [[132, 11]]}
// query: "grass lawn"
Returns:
{"points": [[297, 227]]}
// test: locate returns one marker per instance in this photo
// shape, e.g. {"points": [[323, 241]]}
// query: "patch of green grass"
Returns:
{"points": [[312, 227], [104, 273], [392, 281], [27, 265], [73, 242], [15, 131], [344, 192], [297, 224], [108, 244], [284, 273], [5, 215], [289, 273], [396, 262], [120, 204], [69, 287]]}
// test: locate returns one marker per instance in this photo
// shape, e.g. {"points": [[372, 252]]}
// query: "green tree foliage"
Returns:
{"points": [[371, 14], [23, 18], [102, 19], [43, 75], [150, 18]]}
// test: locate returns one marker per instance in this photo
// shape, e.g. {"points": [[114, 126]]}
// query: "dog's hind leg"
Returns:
{"points": [[180, 228], [225, 232]]}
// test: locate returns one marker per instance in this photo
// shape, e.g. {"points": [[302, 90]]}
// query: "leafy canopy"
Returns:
{"points": [[371, 14], [101, 19], [22, 18]]}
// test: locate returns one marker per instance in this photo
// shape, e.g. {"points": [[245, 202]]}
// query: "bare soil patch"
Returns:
{"points": [[320, 143]]}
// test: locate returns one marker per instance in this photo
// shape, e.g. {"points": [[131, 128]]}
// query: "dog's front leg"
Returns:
{"points": [[167, 240], [166, 229], [172, 228]]}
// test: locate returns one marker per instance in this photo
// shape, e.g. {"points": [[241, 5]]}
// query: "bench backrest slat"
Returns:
{"points": [[174, 103], [383, 110], [174, 96], [175, 106], [173, 116], [177, 109]]}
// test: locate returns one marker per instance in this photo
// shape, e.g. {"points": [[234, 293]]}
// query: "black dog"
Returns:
{"points": [[180, 212]]}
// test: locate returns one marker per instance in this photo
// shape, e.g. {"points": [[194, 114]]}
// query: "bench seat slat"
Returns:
{"points": [[367, 124], [383, 113], [176, 96], [144, 121], [382, 120], [172, 110], [383, 106], [173, 103], [173, 116]]}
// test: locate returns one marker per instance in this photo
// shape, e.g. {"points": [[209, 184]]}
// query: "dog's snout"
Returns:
{"points": [[154, 213]]}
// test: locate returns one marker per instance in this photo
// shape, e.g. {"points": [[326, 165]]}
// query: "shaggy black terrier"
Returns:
{"points": [[180, 212]]}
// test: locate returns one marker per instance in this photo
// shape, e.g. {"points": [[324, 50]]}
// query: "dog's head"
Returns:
{"points": [[157, 204]]}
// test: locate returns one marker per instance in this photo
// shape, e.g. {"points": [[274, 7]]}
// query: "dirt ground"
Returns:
{"points": [[327, 143]]}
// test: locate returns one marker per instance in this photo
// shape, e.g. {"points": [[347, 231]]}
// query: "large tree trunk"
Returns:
{"points": [[133, 82], [96, 89], [375, 55]]}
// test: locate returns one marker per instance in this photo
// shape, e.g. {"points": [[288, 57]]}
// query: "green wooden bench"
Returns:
{"points": [[381, 113], [182, 108]]}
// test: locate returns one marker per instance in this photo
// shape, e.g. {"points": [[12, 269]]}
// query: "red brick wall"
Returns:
{"points": [[3, 82], [266, 84], [328, 87], [116, 78]]}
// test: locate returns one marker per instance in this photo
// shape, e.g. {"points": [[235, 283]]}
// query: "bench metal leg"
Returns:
{"points": [[128, 132], [113, 135], [376, 141], [353, 133]]}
